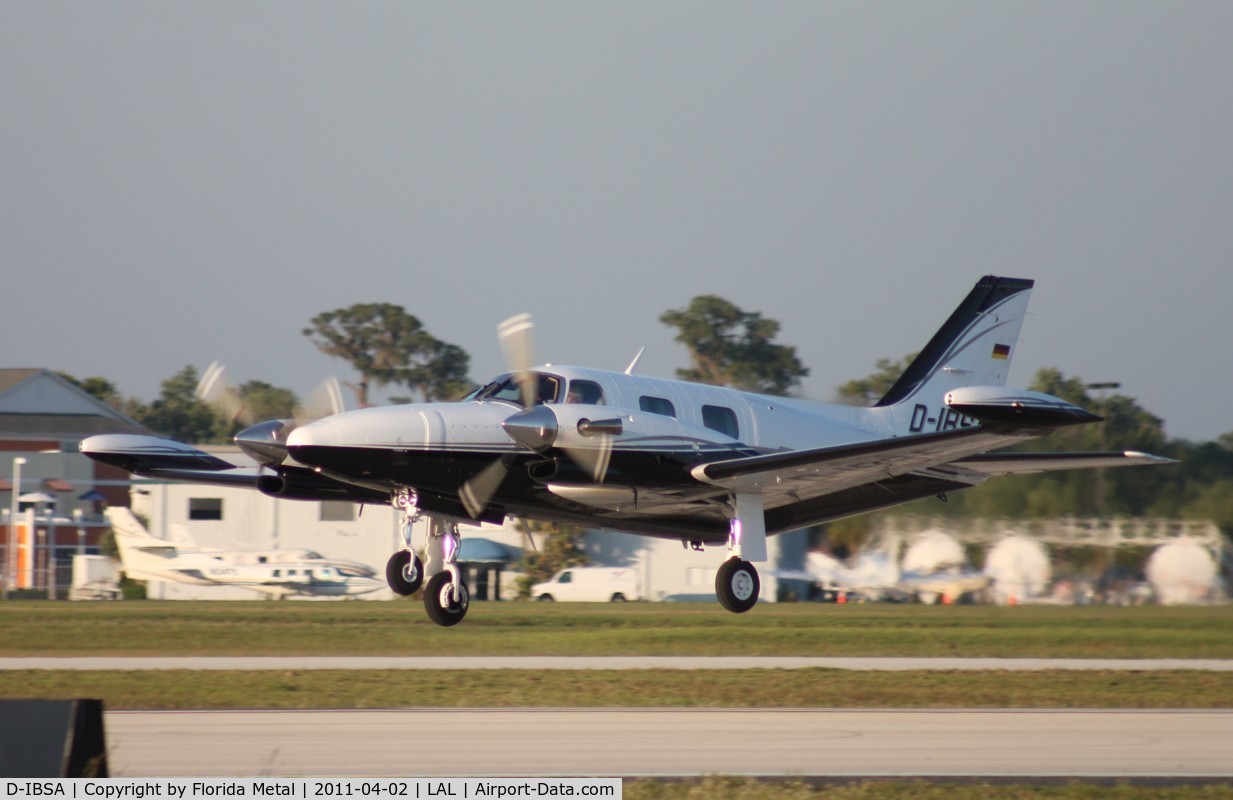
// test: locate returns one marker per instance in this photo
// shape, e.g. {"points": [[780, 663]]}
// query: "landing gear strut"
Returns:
{"points": [[404, 572], [736, 582], [446, 598]]}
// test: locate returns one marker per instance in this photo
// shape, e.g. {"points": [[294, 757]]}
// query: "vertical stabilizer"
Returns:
{"points": [[142, 555], [973, 348]]}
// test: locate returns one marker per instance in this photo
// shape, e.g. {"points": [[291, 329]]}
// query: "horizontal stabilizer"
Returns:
{"points": [[1021, 408]]}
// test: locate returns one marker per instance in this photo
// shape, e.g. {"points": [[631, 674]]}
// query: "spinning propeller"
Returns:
{"points": [[537, 427], [266, 441]]}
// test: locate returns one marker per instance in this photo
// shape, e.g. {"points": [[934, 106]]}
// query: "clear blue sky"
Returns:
{"points": [[183, 182]]}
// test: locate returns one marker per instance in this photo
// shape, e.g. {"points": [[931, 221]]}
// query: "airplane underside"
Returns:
{"points": [[660, 503]]}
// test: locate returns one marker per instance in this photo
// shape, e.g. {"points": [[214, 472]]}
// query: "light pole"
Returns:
{"points": [[1100, 473], [10, 561]]}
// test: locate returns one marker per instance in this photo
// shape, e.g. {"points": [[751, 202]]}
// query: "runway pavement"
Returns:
{"points": [[672, 742], [609, 662]]}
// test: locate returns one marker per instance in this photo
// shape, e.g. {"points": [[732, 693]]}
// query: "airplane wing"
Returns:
{"points": [[798, 474], [166, 459], [1026, 463], [805, 487]]}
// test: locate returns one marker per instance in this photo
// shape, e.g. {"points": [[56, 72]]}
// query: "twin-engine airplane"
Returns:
{"points": [[702, 464]]}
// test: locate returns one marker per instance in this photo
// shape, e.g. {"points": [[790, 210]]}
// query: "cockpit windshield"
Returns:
{"points": [[508, 387]]}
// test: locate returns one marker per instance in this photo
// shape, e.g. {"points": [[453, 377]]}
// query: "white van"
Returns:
{"points": [[590, 585]]}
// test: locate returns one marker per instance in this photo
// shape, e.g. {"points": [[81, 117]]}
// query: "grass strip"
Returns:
{"points": [[42, 628], [757, 688]]}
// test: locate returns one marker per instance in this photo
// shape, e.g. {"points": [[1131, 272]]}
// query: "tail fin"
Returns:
{"points": [[973, 348], [140, 551]]}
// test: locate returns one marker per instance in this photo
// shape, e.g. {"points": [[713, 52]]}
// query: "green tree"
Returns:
{"points": [[177, 412], [869, 390], [731, 347], [259, 401], [386, 345], [99, 388], [440, 372], [264, 401]]}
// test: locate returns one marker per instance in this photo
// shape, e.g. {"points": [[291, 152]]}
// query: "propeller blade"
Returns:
{"points": [[479, 490], [215, 390], [534, 428], [515, 335], [325, 400], [593, 460]]}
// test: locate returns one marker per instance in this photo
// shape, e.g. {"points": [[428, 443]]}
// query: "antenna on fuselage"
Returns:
{"points": [[630, 369]]}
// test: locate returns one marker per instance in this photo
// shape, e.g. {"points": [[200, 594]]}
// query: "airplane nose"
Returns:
{"points": [[340, 430]]}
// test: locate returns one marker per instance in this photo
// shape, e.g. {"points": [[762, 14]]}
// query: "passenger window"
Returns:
{"points": [[721, 419], [588, 392], [657, 405], [566, 577]]}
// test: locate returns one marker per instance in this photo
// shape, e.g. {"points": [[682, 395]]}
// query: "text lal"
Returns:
{"points": [[504, 790]]}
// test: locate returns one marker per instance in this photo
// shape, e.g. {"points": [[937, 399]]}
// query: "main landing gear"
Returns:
{"points": [[446, 598], [737, 585], [736, 582]]}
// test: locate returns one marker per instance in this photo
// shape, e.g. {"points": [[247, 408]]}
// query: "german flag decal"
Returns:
{"points": [[1001, 351]]}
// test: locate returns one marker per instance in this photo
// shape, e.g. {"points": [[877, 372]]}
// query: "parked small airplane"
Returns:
{"points": [[875, 575], [702, 464], [276, 573]]}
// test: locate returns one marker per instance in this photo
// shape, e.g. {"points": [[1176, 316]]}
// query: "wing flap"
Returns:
{"points": [[1026, 463], [795, 475]]}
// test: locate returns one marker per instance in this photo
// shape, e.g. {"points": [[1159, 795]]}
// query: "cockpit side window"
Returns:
{"points": [[588, 392], [507, 387]]}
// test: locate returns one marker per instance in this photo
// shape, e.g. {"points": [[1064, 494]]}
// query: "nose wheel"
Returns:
{"points": [[404, 572]]}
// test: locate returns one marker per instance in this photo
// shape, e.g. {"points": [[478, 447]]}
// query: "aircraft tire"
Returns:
{"points": [[396, 572], [439, 601], [737, 585]]}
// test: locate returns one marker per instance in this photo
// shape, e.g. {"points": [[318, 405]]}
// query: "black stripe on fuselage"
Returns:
{"points": [[437, 477]]}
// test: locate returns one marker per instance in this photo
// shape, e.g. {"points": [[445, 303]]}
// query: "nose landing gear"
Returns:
{"points": [[404, 572], [446, 598]]}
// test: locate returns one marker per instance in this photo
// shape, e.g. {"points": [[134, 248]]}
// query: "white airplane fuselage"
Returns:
{"points": [[275, 573]]}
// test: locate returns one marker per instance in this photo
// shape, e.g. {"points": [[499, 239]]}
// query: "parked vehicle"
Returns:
{"points": [[590, 585]]}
